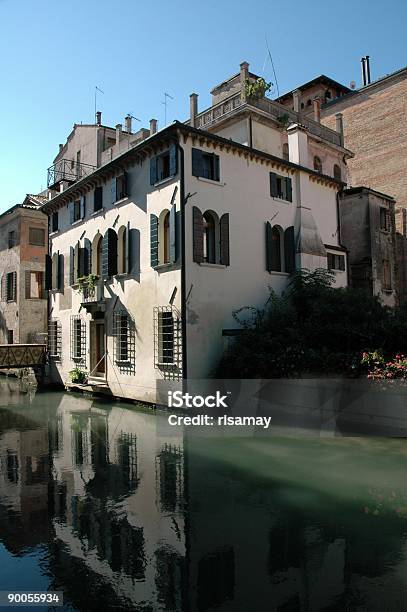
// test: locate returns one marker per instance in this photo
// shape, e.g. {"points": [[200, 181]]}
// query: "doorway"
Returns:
{"points": [[98, 349]]}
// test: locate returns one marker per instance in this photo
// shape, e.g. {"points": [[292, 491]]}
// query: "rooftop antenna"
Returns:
{"points": [[272, 65], [96, 93], [166, 96]]}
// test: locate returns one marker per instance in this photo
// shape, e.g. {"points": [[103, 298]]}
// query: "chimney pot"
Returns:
{"points": [[98, 118], [127, 123], [317, 109], [296, 100], [244, 75], [153, 126], [339, 125], [118, 132], [193, 108]]}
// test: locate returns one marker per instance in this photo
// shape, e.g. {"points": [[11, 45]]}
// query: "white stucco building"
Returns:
{"points": [[181, 228]]}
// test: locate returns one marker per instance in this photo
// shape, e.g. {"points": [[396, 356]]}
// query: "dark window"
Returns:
{"points": [[309, 102], [11, 239], [281, 187], [166, 237], [205, 165], [209, 245], [54, 338], [384, 219], [76, 206], [164, 166], [317, 164], [78, 338], [336, 262], [124, 353], [386, 275], [122, 337], [276, 248], [10, 336], [12, 466], [166, 337], [34, 284], [286, 151], [11, 287], [337, 172], [98, 199], [36, 236], [54, 222]]}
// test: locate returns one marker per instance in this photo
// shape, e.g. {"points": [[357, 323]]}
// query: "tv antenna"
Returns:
{"points": [[272, 65], [97, 89], [166, 97]]}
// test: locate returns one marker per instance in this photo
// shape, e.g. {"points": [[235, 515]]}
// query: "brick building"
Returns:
{"points": [[23, 246]]}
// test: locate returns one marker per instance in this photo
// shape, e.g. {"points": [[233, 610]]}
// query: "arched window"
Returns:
{"points": [[302, 104], [166, 238], [209, 229], [276, 245], [337, 172], [286, 151], [317, 164], [328, 95], [309, 102], [96, 266]]}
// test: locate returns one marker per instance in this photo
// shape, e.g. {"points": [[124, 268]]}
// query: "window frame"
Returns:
{"points": [[31, 240], [336, 258]]}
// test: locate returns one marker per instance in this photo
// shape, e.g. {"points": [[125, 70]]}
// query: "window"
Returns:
{"points": [[205, 165], [280, 249], [386, 275], [36, 236], [317, 164], [10, 336], [164, 237], [34, 285], [281, 187], [210, 237], [164, 166], [167, 336], [124, 352], [276, 248], [384, 219], [54, 222], [336, 262], [98, 199], [286, 151], [119, 187], [337, 172], [11, 239], [309, 102], [76, 207], [109, 254], [54, 338], [11, 287], [78, 338]]}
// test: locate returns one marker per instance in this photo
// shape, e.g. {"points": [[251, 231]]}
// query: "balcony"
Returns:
{"points": [[93, 299], [67, 170]]}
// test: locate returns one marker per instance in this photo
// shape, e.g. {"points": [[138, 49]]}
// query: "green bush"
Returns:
{"points": [[313, 327]]}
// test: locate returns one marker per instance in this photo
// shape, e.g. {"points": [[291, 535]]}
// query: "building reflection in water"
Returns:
{"points": [[134, 516]]}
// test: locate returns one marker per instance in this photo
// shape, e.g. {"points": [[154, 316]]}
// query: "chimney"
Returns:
{"points": [[118, 132], [61, 146], [298, 144], [127, 123], [193, 108], [317, 109], [98, 118], [368, 69], [339, 125], [244, 75], [296, 100], [153, 126], [362, 61]]}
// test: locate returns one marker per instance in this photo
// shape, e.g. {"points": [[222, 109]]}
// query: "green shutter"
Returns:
{"points": [[173, 234], [48, 272], [196, 162], [83, 207], [173, 160], [71, 266], [153, 170], [269, 247], [71, 207], [153, 240], [224, 240], [109, 254], [60, 272], [289, 249], [113, 190], [216, 168], [197, 235], [273, 185], [87, 257], [289, 189]]}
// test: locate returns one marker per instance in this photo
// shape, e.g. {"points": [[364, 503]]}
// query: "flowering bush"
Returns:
{"points": [[379, 369]]}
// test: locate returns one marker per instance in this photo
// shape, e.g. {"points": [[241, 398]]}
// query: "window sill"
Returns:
{"points": [[121, 201], [53, 233], [164, 181], [121, 275], [205, 264], [164, 267], [123, 361], [277, 273], [336, 270], [76, 222], [277, 199], [210, 181], [162, 364], [95, 213]]}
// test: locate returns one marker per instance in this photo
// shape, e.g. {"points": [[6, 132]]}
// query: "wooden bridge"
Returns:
{"points": [[22, 355]]}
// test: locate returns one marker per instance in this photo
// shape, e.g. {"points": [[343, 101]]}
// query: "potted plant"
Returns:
{"points": [[87, 282], [78, 376], [256, 89]]}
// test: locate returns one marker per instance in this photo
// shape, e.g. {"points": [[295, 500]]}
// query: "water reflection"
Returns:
{"points": [[98, 501]]}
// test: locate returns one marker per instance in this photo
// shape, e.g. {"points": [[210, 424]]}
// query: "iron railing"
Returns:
{"points": [[67, 170], [92, 294]]}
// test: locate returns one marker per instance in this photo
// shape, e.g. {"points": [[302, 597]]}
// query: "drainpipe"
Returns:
{"points": [[183, 271]]}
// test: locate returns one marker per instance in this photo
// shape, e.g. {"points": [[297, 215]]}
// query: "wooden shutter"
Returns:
{"points": [[224, 240], [153, 170], [269, 247], [71, 266], [197, 235], [71, 207], [109, 253], [216, 168], [113, 190], [14, 286], [87, 257], [153, 240], [289, 189], [98, 198], [196, 162], [173, 234], [60, 272], [129, 263], [27, 284], [173, 160], [3, 293], [83, 206], [48, 272], [289, 249], [125, 183], [273, 185]]}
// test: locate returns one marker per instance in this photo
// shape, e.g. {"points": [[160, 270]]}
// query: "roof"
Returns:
{"points": [[251, 75], [362, 188], [322, 78], [169, 133]]}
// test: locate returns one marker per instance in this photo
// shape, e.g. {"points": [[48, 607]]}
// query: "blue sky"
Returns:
{"points": [[52, 54]]}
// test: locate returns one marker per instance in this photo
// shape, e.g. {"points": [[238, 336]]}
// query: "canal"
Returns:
{"points": [[108, 505]]}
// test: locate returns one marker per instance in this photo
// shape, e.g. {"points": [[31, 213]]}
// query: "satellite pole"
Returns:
{"points": [[166, 96], [96, 92]]}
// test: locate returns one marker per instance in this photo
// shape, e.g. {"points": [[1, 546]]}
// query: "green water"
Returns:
{"points": [[117, 511]]}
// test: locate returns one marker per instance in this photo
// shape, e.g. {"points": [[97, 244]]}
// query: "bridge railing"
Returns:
{"points": [[22, 355]]}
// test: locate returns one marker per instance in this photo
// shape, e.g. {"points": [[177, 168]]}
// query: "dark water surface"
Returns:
{"points": [[106, 504]]}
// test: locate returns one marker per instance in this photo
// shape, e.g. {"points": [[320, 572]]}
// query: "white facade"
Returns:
{"points": [[265, 217]]}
